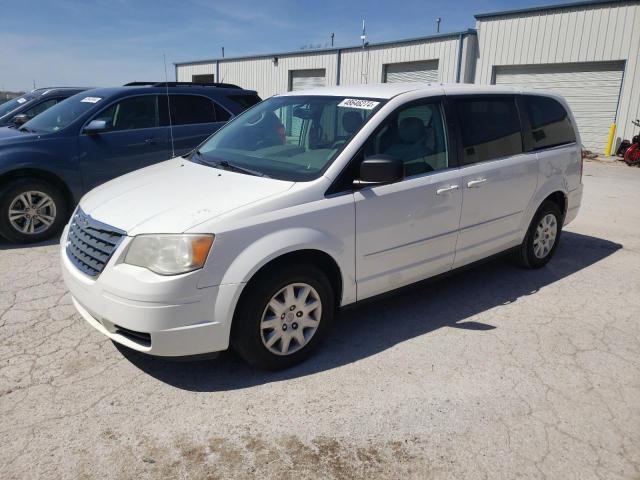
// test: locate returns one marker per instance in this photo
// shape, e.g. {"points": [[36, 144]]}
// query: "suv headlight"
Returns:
{"points": [[169, 254]]}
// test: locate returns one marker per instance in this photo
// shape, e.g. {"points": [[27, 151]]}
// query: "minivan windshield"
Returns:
{"points": [[13, 104], [61, 115], [288, 138]]}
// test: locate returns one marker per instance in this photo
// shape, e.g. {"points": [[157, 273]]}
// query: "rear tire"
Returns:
{"points": [[31, 210], [542, 237], [283, 316]]}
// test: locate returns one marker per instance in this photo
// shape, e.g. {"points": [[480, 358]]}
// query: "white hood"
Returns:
{"points": [[175, 195]]}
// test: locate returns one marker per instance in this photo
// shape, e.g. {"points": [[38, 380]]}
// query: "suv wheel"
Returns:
{"points": [[542, 237], [31, 210], [283, 316]]}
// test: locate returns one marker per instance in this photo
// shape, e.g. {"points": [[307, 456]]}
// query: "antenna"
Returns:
{"points": [[173, 151]]}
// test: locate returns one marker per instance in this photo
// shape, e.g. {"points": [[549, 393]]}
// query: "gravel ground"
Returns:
{"points": [[494, 372]]}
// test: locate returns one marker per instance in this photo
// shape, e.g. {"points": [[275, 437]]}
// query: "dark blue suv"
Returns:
{"points": [[48, 163], [23, 108]]}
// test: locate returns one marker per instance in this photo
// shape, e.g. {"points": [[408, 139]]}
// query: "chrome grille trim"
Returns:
{"points": [[90, 244]]}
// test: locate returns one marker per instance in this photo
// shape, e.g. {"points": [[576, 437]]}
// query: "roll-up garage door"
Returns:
{"points": [[305, 79], [426, 71], [591, 89]]}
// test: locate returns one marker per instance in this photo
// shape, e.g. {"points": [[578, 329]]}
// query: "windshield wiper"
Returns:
{"points": [[26, 129], [225, 165]]}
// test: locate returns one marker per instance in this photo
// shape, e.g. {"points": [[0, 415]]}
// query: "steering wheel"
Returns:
{"points": [[259, 119]]}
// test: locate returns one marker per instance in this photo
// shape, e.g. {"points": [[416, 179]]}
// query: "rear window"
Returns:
{"points": [[245, 101], [550, 123], [490, 128]]}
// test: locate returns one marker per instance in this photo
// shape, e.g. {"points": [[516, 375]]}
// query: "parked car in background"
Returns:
{"points": [[20, 110], [48, 163], [256, 238]]}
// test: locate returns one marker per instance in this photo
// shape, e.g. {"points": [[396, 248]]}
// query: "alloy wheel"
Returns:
{"points": [[32, 212]]}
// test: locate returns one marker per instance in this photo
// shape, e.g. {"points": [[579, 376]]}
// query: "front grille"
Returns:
{"points": [[140, 338], [90, 243]]}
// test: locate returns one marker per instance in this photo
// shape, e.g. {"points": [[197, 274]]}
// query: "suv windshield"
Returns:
{"points": [[11, 105], [289, 138], [62, 114]]}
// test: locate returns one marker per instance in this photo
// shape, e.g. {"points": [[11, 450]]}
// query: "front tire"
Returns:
{"points": [[31, 210], [542, 237], [283, 316]]}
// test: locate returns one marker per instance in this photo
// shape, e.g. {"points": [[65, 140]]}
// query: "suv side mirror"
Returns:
{"points": [[95, 127], [380, 170], [20, 119]]}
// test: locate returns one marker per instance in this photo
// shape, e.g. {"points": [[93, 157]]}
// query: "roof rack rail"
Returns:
{"points": [[182, 84]]}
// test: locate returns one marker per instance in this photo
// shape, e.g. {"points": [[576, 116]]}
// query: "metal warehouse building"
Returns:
{"points": [[587, 51]]}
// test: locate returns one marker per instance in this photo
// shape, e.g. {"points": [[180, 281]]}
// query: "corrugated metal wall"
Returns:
{"points": [[367, 66], [268, 79], [184, 72], [583, 34], [357, 66]]}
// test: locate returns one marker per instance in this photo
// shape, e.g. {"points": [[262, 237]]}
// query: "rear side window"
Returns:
{"points": [[187, 109], [190, 110], [490, 128], [245, 101], [550, 123]]}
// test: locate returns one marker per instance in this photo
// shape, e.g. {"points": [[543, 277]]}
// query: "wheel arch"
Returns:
{"points": [[318, 258], [554, 191], [39, 174]]}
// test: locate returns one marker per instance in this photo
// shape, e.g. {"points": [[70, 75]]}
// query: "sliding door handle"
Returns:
{"points": [[444, 190], [476, 183]]}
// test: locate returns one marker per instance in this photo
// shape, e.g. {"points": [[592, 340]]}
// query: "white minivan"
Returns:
{"points": [[313, 200]]}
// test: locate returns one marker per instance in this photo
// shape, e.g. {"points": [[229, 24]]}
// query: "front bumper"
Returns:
{"points": [[163, 316]]}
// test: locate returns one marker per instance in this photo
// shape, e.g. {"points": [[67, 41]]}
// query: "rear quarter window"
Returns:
{"points": [[245, 101], [550, 123]]}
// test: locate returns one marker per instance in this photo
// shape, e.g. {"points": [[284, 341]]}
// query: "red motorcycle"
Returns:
{"points": [[632, 153]]}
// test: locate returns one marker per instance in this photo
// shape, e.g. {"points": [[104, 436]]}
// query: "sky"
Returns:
{"points": [[111, 42]]}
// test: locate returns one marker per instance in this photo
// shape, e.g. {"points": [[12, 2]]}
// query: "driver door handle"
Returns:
{"points": [[476, 183], [151, 141], [444, 190]]}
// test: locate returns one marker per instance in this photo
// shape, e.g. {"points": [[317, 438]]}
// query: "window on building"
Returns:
{"points": [[490, 128], [203, 78], [550, 123]]}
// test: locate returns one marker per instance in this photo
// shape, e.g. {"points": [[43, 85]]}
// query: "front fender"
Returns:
{"points": [[14, 158], [273, 245]]}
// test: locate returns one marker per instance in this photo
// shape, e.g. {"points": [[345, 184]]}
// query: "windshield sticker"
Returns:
{"points": [[358, 103], [21, 100], [91, 99]]}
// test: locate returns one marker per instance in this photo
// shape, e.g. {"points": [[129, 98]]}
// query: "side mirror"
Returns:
{"points": [[95, 127], [20, 119], [379, 170]]}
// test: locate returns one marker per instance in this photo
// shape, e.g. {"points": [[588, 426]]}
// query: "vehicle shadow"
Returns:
{"points": [[5, 245], [395, 318]]}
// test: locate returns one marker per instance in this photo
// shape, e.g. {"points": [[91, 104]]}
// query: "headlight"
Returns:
{"points": [[169, 254]]}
